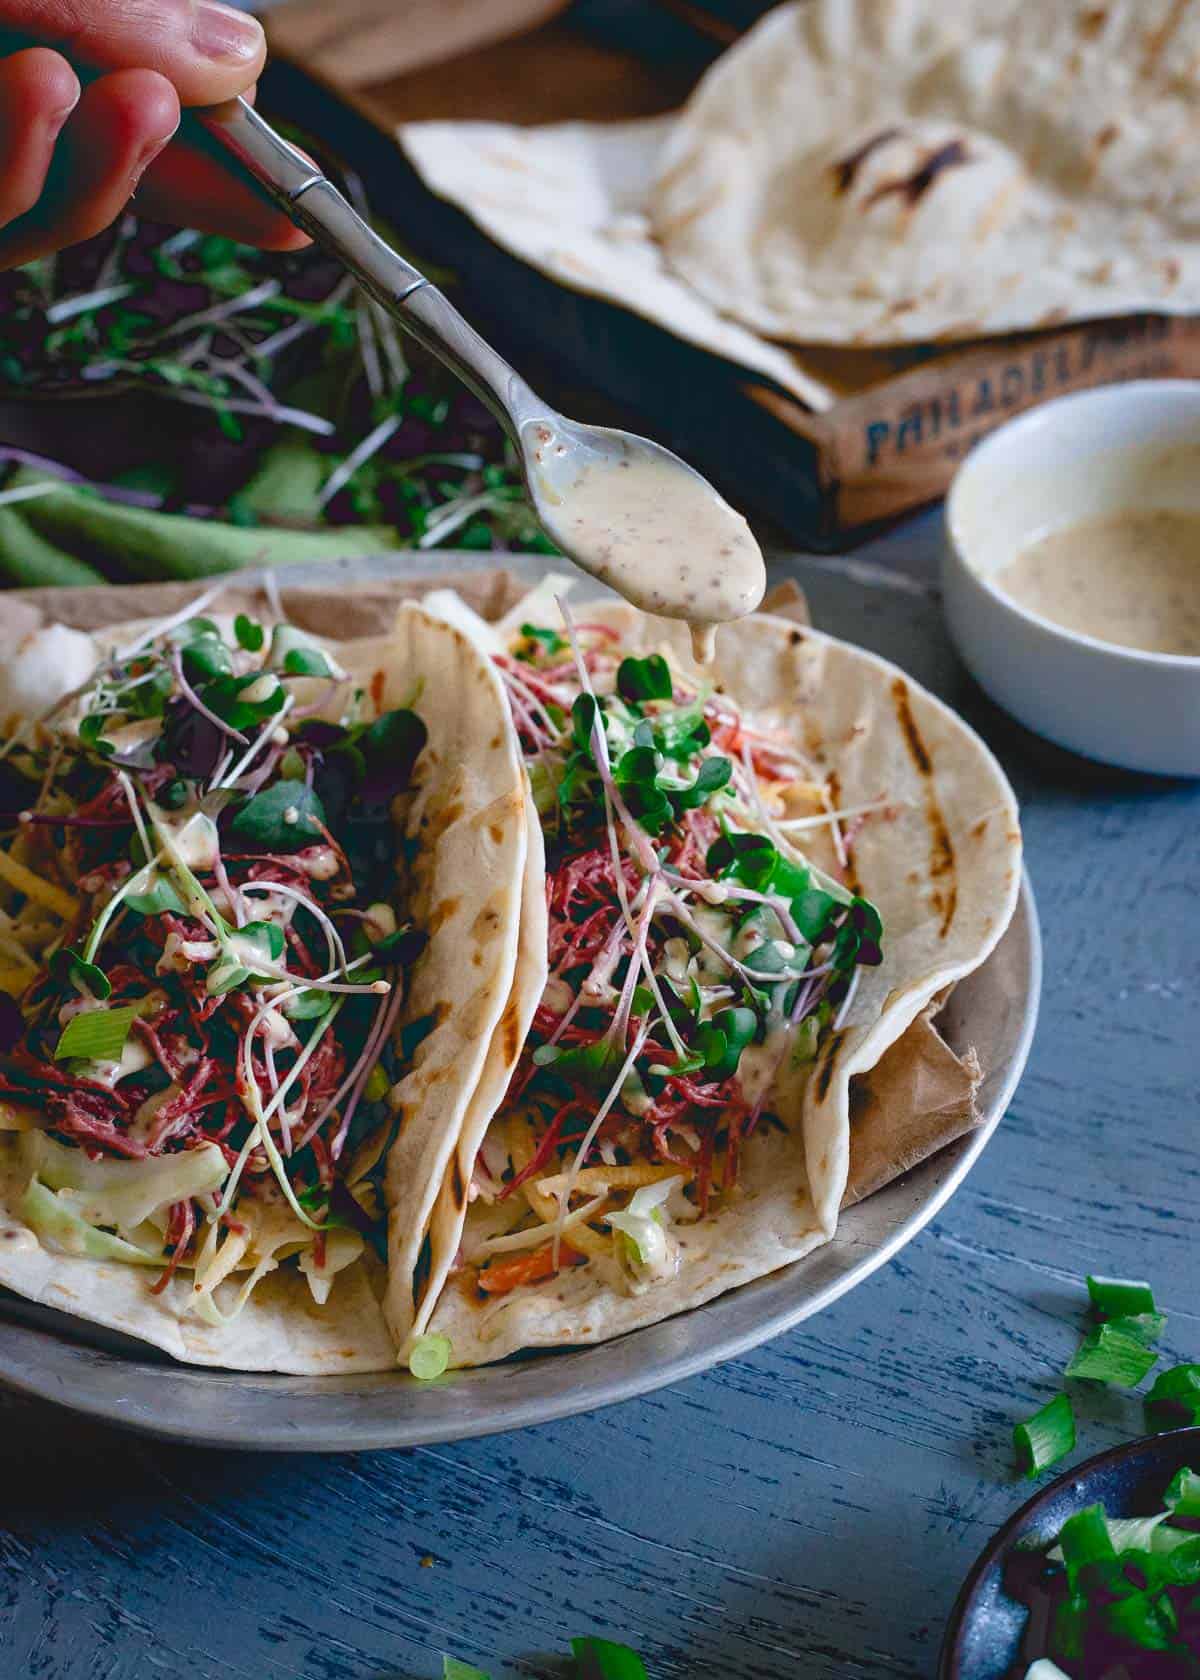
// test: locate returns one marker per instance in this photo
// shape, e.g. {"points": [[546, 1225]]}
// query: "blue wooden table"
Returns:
{"points": [[807, 1511]]}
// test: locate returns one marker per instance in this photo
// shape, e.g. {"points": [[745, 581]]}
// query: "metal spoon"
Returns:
{"points": [[622, 507]]}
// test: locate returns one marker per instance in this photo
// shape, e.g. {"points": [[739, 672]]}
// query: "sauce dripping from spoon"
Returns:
{"points": [[642, 522]]}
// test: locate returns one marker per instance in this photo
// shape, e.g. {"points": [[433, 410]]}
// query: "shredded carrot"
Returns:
{"points": [[503, 1275], [33, 886]]}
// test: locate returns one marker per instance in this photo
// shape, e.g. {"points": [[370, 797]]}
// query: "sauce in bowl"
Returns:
{"points": [[1130, 577]]}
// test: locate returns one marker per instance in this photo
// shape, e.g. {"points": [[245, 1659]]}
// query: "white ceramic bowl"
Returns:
{"points": [[1079, 457]]}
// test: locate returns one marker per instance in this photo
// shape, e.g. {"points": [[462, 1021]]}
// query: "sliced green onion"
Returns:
{"points": [[1147, 1327], [1110, 1354], [1146, 1620], [1085, 1539], [1175, 1398], [452, 1669], [601, 1659], [96, 1035], [1045, 1437], [1120, 1297], [1183, 1495], [430, 1356]]}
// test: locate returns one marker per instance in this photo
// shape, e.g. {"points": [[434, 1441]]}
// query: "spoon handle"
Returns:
{"points": [[311, 200]]}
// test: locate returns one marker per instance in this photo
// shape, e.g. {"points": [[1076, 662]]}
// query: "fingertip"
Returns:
{"points": [[140, 107], [47, 84]]}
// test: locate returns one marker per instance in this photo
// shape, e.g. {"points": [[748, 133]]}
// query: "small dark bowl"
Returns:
{"points": [[987, 1625]]}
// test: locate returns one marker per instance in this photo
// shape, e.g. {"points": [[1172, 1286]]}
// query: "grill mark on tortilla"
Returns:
{"points": [[510, 1030], [496, 830], [833, 783], [825, 1072], [908, 727], [376, 689], [458, 1190], [845, 169], [912, 188], [1158, 40], [1091, 22], [941, 847]]}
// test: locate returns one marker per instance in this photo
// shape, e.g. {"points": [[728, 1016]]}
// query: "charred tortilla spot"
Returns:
{"points": [[1092, 21], [486, 924], [980, 829], [441, 820], [441, 914], [845, 169], [458, 1190], [495, 742], [912, 188], [496, 831]]}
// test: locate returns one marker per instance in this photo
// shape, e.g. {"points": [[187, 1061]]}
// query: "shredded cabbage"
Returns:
{"points": [[1139, 1534], [647, 1250], [269, 1235], [342, 1248], [61, 1228], [123, 1194]]}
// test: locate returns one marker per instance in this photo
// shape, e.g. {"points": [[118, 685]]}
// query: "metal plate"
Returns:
{"points": [[113, 1378]]}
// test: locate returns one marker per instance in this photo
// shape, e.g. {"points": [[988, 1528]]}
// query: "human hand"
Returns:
{"points": [[73, 151]]}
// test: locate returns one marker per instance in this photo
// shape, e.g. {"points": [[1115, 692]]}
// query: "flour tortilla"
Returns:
{"points": [[571, 200], [468, 814], [943, 867], [891, 171]]}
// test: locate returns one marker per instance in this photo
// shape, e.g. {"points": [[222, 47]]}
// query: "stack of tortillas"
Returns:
{"points": [[871, 173]]}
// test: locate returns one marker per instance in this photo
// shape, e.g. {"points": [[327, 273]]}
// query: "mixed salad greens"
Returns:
{"points": [[201, 961], [311, 410], [692, 950]]}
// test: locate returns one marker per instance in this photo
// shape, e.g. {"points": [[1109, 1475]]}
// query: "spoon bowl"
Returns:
{"points": [[641, 520]]}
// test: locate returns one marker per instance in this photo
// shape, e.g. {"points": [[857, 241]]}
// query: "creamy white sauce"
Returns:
{"points": [[662, 538], [1132, 578]]}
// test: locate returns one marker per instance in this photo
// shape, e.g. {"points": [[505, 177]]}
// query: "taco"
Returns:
{"points": [[233, 859], [757, 877]]}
